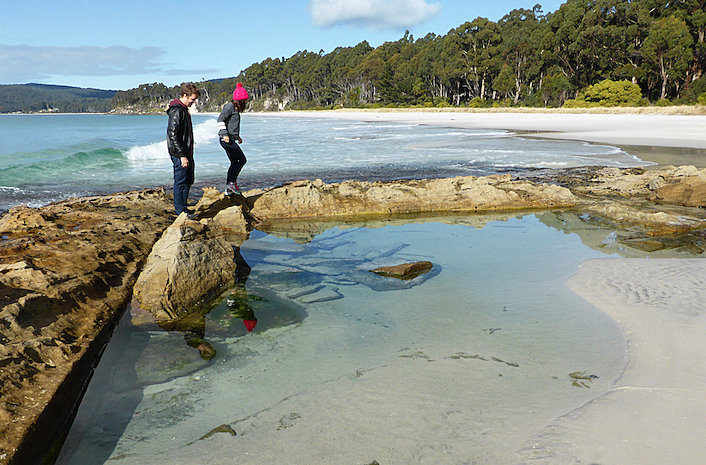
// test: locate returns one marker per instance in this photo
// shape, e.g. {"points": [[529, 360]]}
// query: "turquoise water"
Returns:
{"points": [[465, 364], [44, 158]]}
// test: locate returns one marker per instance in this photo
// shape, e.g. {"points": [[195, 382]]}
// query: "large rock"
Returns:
{"points": [[689, 191], [683, 185], [316, 199], [189, 262], [66, 276], [193, 259]]}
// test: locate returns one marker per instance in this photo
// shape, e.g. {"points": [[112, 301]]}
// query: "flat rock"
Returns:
{"points": [[405, 270], [469, 193]]}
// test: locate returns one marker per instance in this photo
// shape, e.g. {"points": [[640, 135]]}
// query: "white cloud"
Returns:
{"points": [[378, 14], [24, 63]]}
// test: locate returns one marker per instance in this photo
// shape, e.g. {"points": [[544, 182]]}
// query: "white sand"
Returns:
{"points": [[619, 129], [655, 414]]}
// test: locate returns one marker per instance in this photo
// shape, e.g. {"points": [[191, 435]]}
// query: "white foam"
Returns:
{"points": [[148, 152], [204, 133]]}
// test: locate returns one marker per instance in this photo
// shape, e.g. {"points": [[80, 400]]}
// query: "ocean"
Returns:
{"points": [[46, 158]]}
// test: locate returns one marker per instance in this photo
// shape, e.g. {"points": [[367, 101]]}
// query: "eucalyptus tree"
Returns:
{"points": [[668, 51], [521, 46], [473, 47]]}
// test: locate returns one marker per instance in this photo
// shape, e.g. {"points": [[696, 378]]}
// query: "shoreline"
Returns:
{"points": [[655, 138], [655, 413]]}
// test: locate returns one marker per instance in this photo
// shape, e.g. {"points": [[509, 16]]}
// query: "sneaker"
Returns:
{"points": [[232, 188]]}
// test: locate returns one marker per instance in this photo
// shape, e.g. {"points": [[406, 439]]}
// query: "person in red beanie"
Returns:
{"points": [[229, 135]]}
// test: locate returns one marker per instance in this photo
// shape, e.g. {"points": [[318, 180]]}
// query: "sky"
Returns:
{"points": [[121, 44]]}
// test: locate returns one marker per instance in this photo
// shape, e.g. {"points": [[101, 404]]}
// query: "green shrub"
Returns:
{"points": [[573, 103], [478, 102], [608, 93], [702, 99], [693, 90]]}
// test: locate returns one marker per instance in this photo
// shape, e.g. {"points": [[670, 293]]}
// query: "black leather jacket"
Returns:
{"points": [[180, 134]]}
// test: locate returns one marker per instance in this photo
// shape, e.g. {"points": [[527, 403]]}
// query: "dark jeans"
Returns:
{"points": [[237, 159], [183, 179]]}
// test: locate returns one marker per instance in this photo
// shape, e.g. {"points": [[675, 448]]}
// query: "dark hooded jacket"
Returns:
{"points": [[180, 134]]}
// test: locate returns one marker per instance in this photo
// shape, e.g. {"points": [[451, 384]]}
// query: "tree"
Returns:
{"points": [[668, 49]]}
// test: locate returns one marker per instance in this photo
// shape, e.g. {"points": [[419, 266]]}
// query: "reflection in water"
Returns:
{"points": [[239, 307], [193, 325]]}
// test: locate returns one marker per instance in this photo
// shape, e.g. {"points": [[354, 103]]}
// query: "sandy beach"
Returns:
{"points": [[663, 139], [656, 411]]}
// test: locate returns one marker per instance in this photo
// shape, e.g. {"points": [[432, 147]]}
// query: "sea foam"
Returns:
{"points": [[204, 133]]}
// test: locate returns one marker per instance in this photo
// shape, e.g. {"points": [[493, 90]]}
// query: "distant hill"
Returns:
{"points": [[50, 98]]}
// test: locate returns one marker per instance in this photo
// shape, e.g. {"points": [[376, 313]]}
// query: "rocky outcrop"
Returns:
{"points": [[66, 275], [683, 185], [193, 259], [460, 194], [690, 191]]}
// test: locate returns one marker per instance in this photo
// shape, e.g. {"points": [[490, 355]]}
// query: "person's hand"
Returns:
{"points": [[184, 162], [240, 141], [226, 139]]}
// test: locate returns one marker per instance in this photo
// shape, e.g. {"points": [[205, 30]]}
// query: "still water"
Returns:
{"points": [[320, 361]]}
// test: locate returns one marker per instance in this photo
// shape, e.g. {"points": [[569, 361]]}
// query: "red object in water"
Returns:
{"points": [[250, 324]]}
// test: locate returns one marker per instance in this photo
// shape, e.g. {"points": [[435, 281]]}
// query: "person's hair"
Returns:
{"points": [[239, 105], [189, 89]]}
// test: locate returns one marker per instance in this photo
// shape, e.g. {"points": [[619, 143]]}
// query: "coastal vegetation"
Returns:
{"points": [[43, 98], [588, 52]]}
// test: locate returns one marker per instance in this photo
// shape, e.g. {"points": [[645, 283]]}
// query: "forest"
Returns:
{"points": [[27, 98], [588, 52]]}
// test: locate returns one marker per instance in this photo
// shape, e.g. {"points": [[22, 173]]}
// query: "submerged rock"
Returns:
{"points": [[404, 271]]}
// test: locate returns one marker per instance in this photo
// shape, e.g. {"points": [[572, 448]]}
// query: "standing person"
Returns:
{"points": [[229, 134], [180, 143]]}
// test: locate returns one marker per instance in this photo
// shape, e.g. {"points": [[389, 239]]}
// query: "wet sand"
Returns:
{"points": [[656, 413]]}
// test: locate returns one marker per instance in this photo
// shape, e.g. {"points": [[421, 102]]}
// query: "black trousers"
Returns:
{"points": [[237, 160]]}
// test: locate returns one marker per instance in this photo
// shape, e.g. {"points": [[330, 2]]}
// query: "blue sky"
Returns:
{"points": [[122, 44]]}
